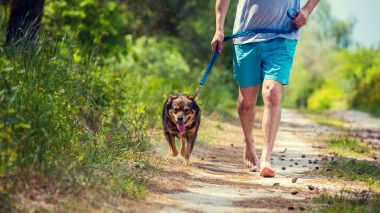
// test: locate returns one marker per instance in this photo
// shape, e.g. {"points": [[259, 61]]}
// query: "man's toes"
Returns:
{"points": [[254, 168], [267, 172]]}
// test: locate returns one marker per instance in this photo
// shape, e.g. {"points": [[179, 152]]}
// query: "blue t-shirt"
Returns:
{"points": [[251, 14]]}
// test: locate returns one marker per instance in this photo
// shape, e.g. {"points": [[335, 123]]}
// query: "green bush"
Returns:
{"points": [[352, 82], [69, 119]]}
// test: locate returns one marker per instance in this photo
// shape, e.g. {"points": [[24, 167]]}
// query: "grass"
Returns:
{"points": [[68, 129], [347, 146], [349, 202], [351, 169]]}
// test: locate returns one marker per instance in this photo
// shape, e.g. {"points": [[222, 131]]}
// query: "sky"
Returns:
{"points": [[367, 14]]}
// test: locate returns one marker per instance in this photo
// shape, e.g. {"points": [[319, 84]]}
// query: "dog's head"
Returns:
{"points": [[182, 110]]}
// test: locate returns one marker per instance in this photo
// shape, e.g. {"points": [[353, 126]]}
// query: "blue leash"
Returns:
{"points": [[292, 13]]}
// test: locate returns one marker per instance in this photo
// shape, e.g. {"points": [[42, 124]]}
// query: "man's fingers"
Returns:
{"points": [[217, 46], [220, 46]]}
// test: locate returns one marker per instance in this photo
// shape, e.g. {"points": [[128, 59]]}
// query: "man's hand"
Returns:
{"points": [[301, 19], [217, 42]]}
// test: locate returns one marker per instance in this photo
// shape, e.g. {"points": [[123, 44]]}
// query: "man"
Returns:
{"points": [[264, 58]]}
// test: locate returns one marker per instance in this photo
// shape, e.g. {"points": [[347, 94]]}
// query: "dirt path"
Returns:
{"points": [[217, 180]]}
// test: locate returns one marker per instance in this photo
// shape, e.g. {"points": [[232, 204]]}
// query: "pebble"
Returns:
{"points": [[283, 168], [311, 187], [291, 208], [276, 184], [294, 192], [303, 156], [302, 209], [294, 180], [296, 163], [232, 145], [317, 167]]}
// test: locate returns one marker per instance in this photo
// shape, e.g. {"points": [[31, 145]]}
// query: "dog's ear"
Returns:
{"points": [[191, 97], [172, 97]]}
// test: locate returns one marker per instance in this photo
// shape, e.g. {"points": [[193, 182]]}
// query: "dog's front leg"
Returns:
{"points": [[183, 146], [171, 140], [185, 151]]}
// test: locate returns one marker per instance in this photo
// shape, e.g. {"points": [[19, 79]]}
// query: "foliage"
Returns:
{"points": [[96, 24], [68, 120], [351, 169], [352, 82], [349, 201], [347, 143]]}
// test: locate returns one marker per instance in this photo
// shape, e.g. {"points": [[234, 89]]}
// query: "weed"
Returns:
{"points": [[343, 143], [352, 169], [348, 201]]}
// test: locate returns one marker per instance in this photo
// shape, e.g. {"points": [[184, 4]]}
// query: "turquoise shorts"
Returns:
{"points": [[256, 61]]}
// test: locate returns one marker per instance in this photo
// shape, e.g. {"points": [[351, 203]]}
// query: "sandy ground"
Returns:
{"points": [[218, 181]]}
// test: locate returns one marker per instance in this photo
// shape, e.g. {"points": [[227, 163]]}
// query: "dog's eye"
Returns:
{"points": [[175, 111], [187, 110]]}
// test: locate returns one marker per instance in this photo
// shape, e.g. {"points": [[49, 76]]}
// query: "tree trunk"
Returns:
{"points": [[25, 20]]}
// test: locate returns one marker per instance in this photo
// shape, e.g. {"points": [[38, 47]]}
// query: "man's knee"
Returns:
{"points": [[246, 104], [272, 95]]}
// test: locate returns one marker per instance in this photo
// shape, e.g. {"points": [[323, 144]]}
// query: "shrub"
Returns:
{"points": [[69, 120]]}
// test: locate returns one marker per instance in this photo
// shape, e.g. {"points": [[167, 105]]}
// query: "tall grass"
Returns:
{"points": [[68, 122]]}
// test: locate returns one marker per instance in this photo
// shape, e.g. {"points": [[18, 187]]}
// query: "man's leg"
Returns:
{"points": [[246, 109], [272, 92]]}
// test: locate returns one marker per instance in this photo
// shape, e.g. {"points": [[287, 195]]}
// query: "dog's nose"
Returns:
{"points": [[180, 119]]}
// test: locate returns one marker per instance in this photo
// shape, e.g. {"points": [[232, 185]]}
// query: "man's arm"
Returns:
{"points": [[221, 7], [301, 18]]}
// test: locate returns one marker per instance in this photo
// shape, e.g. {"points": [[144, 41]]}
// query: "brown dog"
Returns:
{"points": [[181, 117]]}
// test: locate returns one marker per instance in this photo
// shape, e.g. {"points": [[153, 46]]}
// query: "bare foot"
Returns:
{"points": [[266, 170], [250, 158]]}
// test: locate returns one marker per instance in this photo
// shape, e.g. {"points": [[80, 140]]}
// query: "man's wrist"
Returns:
{"points": [[306, 11], [309, 6], [219, 29]]}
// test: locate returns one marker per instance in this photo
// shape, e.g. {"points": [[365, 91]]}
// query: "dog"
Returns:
{"points": [[181, 117]]}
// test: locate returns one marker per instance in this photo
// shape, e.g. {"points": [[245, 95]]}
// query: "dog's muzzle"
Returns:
{"points": [[181, 124]]}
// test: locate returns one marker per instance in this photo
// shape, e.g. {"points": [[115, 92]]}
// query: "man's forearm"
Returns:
{"points": [[221, 8], [309, 6]]}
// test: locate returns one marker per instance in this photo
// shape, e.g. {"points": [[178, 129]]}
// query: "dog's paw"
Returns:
{"points": [[172, 153], [183, 152], [186, 162]]}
